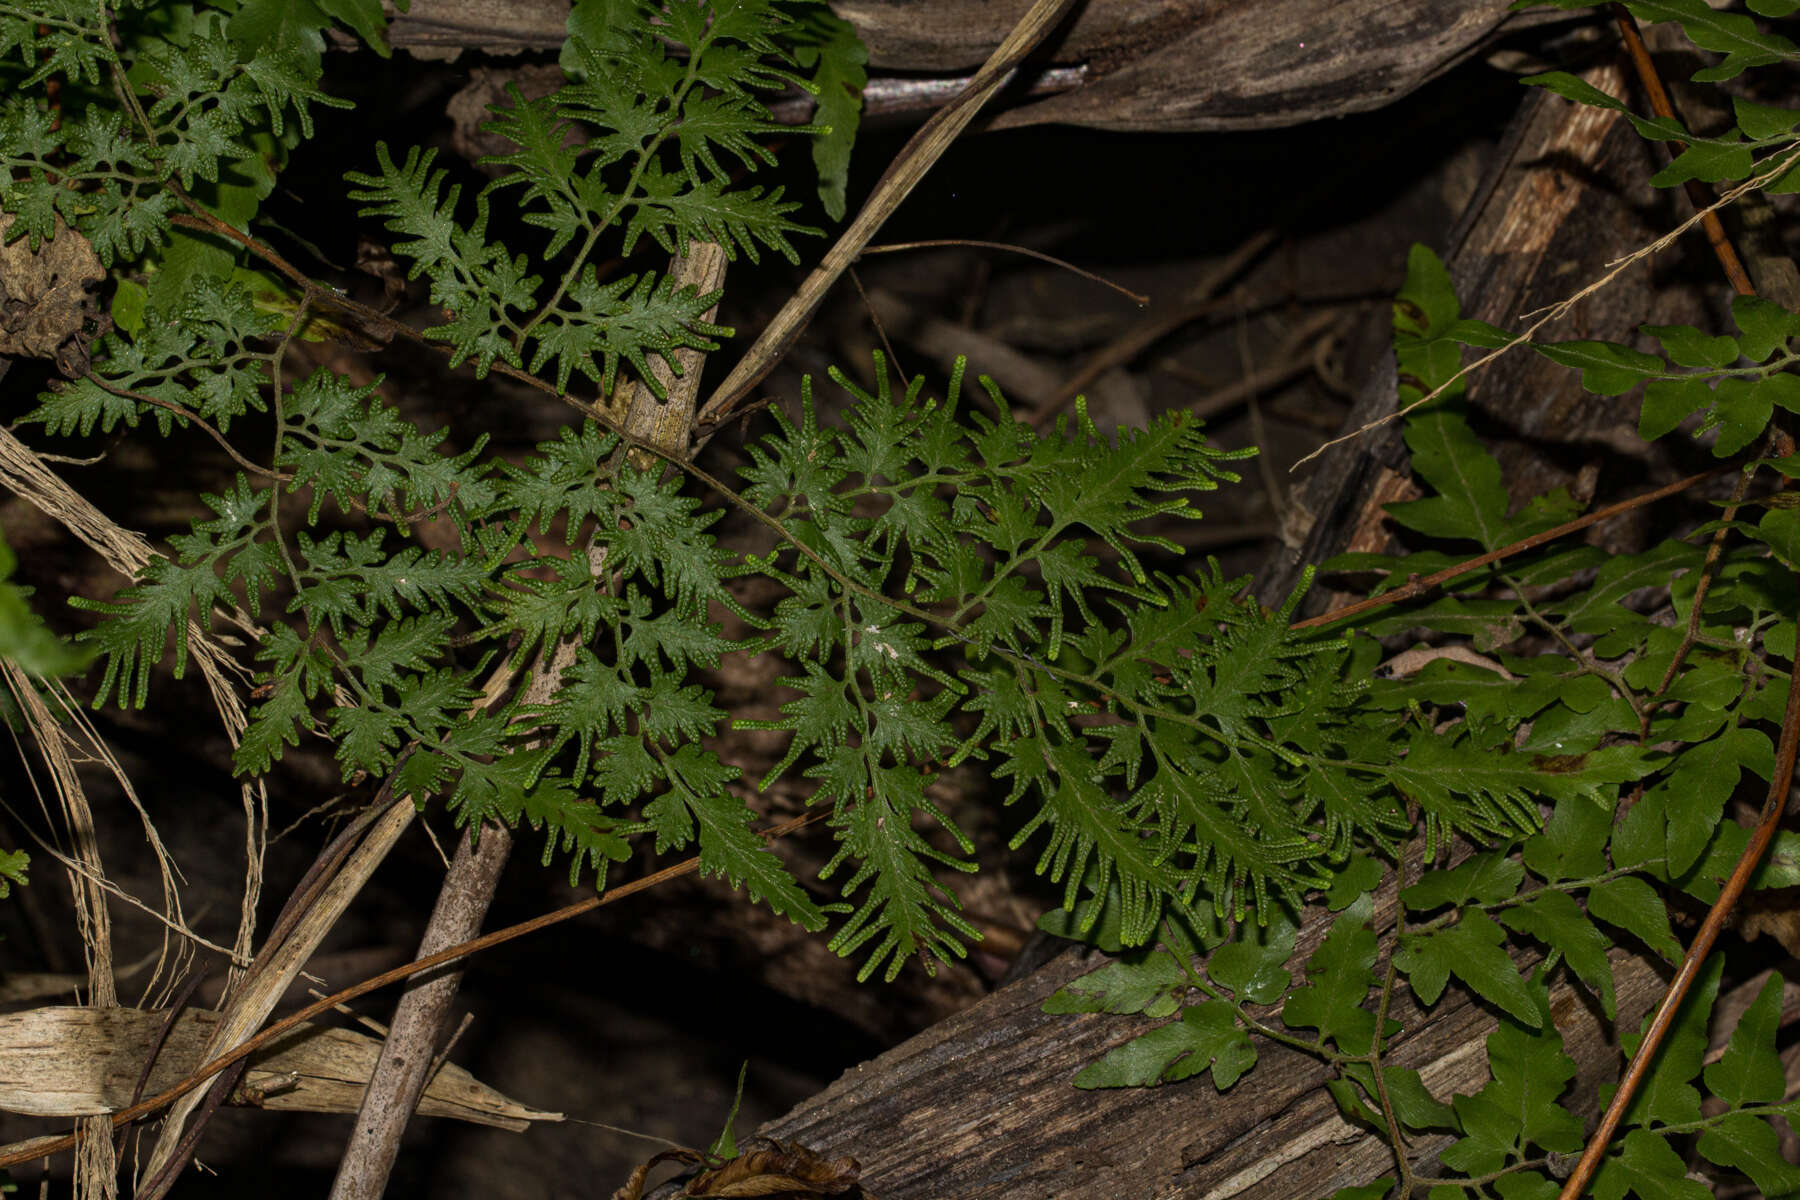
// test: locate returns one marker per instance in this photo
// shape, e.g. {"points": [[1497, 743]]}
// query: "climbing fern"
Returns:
{"points": [[944, 584]]}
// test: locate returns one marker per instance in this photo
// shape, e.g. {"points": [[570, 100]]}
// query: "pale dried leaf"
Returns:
{"points": [[72, 1061]]}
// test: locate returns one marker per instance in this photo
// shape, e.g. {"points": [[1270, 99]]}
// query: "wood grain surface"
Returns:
{"points": [[1166, 65]]}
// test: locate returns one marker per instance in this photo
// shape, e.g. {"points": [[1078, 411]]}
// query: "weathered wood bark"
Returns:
{"points": [[1148, 64], [1565, 195], [981, 1106]]}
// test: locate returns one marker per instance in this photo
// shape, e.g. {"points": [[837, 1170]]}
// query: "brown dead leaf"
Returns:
{"points": [[48, 306], [775, 1169]]}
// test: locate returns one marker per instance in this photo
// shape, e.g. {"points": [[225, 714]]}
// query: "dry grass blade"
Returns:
{"points": [[35, 1148], [1775, 166], [96, 1163], [920, 153], [73, 1061], [25, 473]]}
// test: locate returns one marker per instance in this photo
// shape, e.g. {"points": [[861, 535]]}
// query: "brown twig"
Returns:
{"points": [[1773, 807], [1200, 300], [1715, 548], [1419, 585], [1662, 106], [44, 1146], [921, 151], [404, 1066], [1650, 79], [176, 1008]]}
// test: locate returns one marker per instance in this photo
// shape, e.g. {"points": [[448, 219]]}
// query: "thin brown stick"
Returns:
{"points": [[914, 160], [1200, 300], [1419, 585], [1715, 549], [1009, 247], [875, 320], [1662, 106], [1773, 807], [43, 1147], [404, 1066]]}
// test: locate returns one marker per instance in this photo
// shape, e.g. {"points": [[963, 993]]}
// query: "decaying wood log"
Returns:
{"points": [[1564, 196], [1148, 64], [982, 1106]]}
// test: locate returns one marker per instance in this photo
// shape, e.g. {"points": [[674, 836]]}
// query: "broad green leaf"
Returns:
{"points": [[1669, 402], [1527, 1185], [1357, 878], [1607, 368], [1598, 610], [1709, 162], [1741, 411], [1579, 90], [1629, 903], [1254, 963], [1750, 1071], [1414, 1104], [1779, 529], [1760, 121], [1517, 1109], [1339, 973], [1704, 778], [1781, 390], [1763, 326], [1471, 500], [1471, 332], [1473, 950], [1750, 1144], [1207, 1036], [1426, 305], [1148, 981], [1648, 1168], [1573, 844], [1485, 878], [1780, 866], [1378, 1190], [1668, 1096], [1412, 1101], [838, 65], [1554, 919], [1731, 34], [1689, 347]]}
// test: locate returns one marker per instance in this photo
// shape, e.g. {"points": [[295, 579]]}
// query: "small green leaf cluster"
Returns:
{"points": [[13, 866], [1615, 707], [640, 146], [110, 173], [1742, 45]]}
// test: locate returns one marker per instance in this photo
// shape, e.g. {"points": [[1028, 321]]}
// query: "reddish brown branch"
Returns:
{"points": [[1419, 585], [1773, 806], [1662, 106]]}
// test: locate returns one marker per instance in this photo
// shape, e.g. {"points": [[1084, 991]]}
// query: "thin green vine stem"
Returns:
{"points": [[1583, 660]]}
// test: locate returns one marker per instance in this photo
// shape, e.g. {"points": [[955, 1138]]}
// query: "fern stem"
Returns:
{"points": [[625, 198]]}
